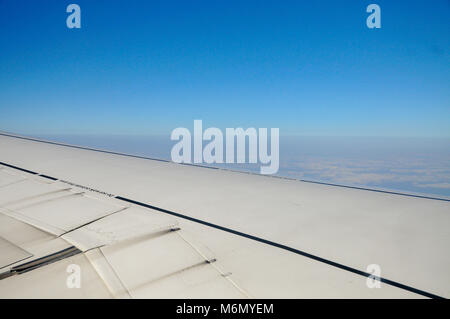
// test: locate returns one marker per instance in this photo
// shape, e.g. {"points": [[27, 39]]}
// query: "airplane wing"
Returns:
{"points": [[133, 227]]}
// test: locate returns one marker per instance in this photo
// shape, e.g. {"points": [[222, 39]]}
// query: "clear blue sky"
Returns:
{"points": [[146, 67]]}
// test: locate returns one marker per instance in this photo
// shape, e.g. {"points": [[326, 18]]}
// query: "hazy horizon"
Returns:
{"points": [[412, 165]]}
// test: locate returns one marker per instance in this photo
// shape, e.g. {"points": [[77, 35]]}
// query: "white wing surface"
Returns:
{"points": [[142, 228]]}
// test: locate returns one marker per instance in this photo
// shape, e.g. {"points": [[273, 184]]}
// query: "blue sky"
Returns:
{"points": [[147, 67]]}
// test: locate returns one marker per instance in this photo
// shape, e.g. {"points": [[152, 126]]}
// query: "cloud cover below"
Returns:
{"points": [[413, 165]]}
